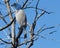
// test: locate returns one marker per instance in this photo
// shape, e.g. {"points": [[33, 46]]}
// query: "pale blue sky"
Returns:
{"points": [[48, 19]]}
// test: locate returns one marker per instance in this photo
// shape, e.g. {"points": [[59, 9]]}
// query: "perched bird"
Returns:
{"points": [[21, 17]]}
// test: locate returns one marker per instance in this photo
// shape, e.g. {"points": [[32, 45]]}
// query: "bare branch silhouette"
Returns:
{"points": [[7, 25], [15, 38], [5, 41]]}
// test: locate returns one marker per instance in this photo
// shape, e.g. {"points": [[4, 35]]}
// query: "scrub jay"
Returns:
{"points": [[21, 18]]}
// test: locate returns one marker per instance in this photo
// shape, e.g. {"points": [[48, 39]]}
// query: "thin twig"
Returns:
{"points": [[38, 32], [37, 9], [5, 41], [52, 32], [29, 3], [48, 28], [28, 41]]}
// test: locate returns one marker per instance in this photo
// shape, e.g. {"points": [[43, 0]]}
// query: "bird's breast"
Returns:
{"points": [[20, 17]]}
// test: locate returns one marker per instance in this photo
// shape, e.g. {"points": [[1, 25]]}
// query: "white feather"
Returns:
{"points": [[20, 17]]}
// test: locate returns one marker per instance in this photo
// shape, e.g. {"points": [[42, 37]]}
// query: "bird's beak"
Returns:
{"points": [[13, 4]]}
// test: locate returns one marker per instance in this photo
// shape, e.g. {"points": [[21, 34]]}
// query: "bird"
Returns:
{"points": [[21, 18]]}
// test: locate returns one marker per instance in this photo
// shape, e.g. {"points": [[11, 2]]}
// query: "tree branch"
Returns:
{"points": [[1, 17], [37, 8], [18, 36], [25, 3], [46, 28], [33, 27], [11, 18], [27, 42], [5, 41], [7, 25], [29, 3]]}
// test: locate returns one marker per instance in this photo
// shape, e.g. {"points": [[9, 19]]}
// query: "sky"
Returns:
{"points": [[52, 19]]}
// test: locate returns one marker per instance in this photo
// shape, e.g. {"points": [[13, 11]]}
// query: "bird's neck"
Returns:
{"points": [[18, 11]]}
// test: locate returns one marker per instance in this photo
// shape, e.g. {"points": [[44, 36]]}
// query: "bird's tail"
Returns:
{"points": [[25, 36]]}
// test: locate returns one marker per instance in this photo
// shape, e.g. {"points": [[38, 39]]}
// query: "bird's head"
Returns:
{"points": [[16, 6]]}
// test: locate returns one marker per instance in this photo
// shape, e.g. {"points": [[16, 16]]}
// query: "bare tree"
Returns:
{"points": [[11, 27]]}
